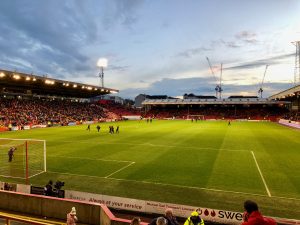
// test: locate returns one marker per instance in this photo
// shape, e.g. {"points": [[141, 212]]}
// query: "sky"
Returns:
{"points": [[155, 47]]}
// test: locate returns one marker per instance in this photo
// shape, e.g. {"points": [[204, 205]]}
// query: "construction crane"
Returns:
{"points": [[260, 90], [218, 87]]}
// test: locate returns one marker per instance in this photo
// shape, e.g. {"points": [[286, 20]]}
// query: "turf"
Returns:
{"points": [[206, 164]]}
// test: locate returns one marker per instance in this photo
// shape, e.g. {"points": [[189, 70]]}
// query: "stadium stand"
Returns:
{"points": [[292, 95], [29, 100], [33, 112], [233, 108], [23, 112]]}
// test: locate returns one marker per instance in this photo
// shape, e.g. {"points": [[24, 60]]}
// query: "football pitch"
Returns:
{"points": [[204, 163]]}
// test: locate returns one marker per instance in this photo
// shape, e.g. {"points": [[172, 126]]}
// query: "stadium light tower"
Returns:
{"points": [[297, 63], [102, 63]]}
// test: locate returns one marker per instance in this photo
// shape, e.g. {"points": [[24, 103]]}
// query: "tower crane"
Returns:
{"points": [[218, 87], [260, 90]]}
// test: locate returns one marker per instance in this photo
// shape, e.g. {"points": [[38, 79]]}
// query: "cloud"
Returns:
{"points": [[221, 42], [247, 36], [201, 86], [48, 43], [261, 62], [231, 44], [123, 12], [191, 52], [240, 40], [118, 68]]}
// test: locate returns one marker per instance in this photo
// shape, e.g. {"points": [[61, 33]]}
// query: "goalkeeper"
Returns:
{"points": [[11, 153]]}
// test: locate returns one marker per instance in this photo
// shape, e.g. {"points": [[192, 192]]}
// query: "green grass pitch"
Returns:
{"points": [[206, 164]]}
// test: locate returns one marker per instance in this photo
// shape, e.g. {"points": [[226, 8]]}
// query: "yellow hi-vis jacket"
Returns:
{"points": [[190, 222]]}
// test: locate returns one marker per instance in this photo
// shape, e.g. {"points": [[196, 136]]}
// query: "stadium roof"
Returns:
{"points": [[30, 84], [232, 101], [289, 93]]}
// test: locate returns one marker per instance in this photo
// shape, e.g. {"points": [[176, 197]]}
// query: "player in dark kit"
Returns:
{"points": [[88, 127], [11, 153], [117, 130], [98, 128]]}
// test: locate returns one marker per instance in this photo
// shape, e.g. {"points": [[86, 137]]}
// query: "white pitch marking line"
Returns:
{"points": [[155, 145], [12, 177], [37, 174], [173, 185], [261, 175], [108, 160], [73, 174], [119, 170]]}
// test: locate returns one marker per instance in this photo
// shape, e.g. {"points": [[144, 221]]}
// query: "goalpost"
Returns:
{"points": [[22, 158]]}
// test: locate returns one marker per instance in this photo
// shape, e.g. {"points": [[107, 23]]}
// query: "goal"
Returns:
{"points": [[22, 158]]}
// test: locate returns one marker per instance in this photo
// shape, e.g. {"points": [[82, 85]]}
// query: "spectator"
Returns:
{"points": [[252, 216], [194, 219], [135, 221], [48, 189], [71, 217], [161, 221], [170, 217], [11, 153]]}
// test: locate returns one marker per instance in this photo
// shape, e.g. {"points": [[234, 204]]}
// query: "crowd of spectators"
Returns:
{"points": [[22, 112], [231, 112], [292, 116], [120, 110]]}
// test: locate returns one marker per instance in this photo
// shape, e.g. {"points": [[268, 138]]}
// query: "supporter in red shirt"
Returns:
{"points": [[252, 216]]}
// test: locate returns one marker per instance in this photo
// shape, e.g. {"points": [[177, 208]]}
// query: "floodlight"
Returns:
{"points": [[16, 76], [27, 78], [49, 82], [102, 62], [2, 74]]}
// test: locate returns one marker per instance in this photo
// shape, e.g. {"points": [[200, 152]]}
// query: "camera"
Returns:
{"points": [[58, 185]]}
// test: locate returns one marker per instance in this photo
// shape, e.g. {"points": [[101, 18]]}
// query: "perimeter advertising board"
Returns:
{"points": [[214, 215]]}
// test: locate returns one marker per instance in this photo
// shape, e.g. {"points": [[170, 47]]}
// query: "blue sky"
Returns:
{"points": [[154, 46]]}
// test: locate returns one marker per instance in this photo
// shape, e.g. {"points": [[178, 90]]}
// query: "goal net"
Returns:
{"points": [[22, 158]]}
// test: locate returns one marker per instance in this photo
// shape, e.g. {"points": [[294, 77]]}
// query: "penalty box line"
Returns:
{"points": [[106, 160], [261, 175]]}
